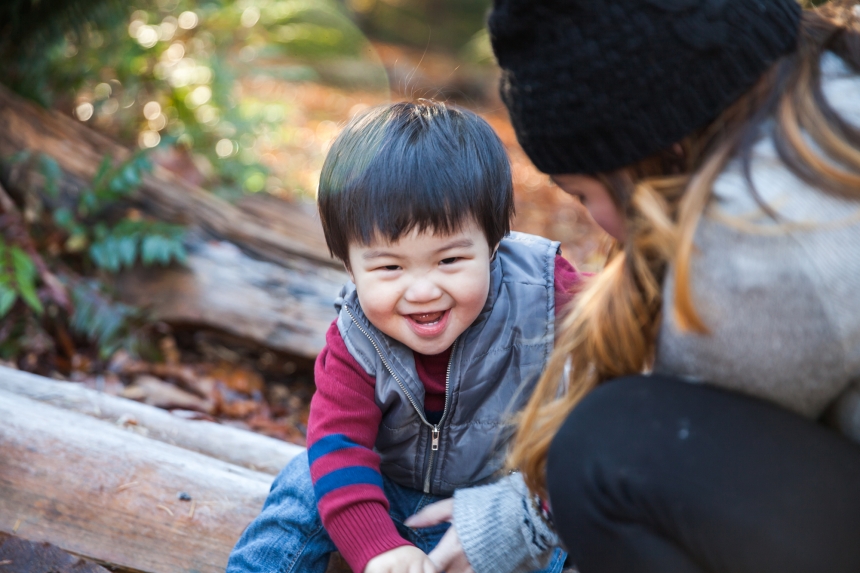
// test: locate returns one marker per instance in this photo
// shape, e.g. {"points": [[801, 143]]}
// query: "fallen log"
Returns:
{"points": [[101, 492], [231, 445], [259, 272], [117, 497], [283, 308]]}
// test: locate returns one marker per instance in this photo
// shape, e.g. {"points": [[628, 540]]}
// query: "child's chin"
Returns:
{"points": [[431, 350]]}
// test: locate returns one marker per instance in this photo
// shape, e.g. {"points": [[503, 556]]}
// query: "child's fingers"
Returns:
{"points": [[433, 514], [429, 567]]}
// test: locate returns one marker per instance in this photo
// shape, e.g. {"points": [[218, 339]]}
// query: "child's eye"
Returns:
{"points": [[391, 268], [450, 260]]}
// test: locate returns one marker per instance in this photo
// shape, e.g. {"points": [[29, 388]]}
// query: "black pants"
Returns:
{"points": [[652, 474]]}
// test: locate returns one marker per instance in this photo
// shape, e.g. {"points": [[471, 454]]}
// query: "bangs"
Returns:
{"points": [[414, 166]]}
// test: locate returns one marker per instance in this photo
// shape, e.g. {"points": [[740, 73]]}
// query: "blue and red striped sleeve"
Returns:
{"points": [[344, 420]]}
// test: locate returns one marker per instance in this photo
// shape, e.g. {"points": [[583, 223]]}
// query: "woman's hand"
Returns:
{"points": [[403, 559], [448, 556]]}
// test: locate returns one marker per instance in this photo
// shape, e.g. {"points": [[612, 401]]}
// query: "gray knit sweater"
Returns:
{"points": [[780, 300], [779, 297]]}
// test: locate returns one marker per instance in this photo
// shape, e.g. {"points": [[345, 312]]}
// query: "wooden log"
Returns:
{"points": [[231, 445], [287, 309], [110, 495]]}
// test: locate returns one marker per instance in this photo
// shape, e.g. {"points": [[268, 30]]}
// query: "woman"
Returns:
{"points": [[719, 142]]}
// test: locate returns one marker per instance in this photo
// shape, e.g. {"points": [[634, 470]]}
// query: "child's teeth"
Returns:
{"points": [[427, 318]]}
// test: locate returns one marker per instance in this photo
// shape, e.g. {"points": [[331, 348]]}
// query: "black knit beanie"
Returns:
{"points": [[595, 85]]}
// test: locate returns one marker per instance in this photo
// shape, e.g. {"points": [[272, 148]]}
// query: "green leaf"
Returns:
{"points": [[153, 250], [117, 185], [127, 250], [64, 218], [102, 171], [101, 319], [50, 170], [25, 277], [103, 257], [7, 299], [131, 176], [88, 202], [20, 157]]}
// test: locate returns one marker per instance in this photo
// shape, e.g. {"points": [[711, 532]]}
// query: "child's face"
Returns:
{"points": [[424, 289]]}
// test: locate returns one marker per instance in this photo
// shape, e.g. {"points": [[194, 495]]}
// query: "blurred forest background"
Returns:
{"points": [[238, 98]]}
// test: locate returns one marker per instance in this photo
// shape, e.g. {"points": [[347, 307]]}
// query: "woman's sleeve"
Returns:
{"points": [[500, 529]]}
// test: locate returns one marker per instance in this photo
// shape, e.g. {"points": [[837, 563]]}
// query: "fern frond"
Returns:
{"points": [[17, 279], [130, 241], [100, 319]]}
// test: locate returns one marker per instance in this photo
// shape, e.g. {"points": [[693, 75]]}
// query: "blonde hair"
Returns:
{"points": [[611, 329]]}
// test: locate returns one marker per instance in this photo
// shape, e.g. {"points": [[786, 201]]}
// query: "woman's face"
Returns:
{"points": [[595, 197]]}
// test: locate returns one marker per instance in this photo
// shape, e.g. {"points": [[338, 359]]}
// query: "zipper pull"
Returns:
{"points": [[434, 445]]}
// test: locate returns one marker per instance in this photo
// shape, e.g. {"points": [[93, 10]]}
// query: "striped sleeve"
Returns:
{"points": [[342, 428]]}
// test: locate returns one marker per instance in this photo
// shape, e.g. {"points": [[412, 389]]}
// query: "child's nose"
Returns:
{"points": [[422, 290]]}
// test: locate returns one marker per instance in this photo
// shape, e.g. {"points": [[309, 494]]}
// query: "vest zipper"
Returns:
{"points": [[434, 428], [435, 431]]}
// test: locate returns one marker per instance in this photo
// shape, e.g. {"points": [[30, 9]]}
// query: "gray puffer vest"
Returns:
{"points": [[494, 366]]}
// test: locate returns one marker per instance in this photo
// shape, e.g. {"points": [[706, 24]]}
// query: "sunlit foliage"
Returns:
{"points": [[169, 69]]}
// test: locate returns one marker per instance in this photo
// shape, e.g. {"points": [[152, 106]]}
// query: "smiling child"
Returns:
{"points": [[440, 337]]}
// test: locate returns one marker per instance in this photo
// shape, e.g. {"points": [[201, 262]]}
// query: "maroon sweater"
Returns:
{"points": [[342, 430]]}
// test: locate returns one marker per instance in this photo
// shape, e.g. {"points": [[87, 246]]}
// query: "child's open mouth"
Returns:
{"points": [[428, 323], [427, 318]]}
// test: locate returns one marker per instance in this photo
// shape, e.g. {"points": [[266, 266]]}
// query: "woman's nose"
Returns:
{"points": [[422, 290]]}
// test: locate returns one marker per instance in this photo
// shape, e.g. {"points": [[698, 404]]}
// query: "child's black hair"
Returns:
{"points": [[424, 165]]}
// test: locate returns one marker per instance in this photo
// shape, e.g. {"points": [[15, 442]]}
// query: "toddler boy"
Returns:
{"points": [[441, 335]]}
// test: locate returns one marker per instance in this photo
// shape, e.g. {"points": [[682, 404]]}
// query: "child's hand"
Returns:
{"points": [[448, 555], [404, 559]]}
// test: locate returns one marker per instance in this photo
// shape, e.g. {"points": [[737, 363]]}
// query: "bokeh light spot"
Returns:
{"points": [[167, 29], [199, 96], [147, 36], [188, 20], [151, 110], [102, 91], [255, 182], [175, 52], [158, 123], [148, 139], [250, 16], [224, 148], [84, 111], [110, 106]]}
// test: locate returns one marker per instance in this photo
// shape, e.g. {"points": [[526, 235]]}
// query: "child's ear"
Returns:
{"points": [[493, 254]]}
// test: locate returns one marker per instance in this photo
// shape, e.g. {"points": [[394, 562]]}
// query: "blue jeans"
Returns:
{"points": [[288, 536]]}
